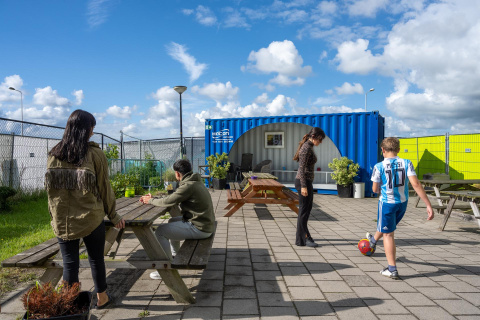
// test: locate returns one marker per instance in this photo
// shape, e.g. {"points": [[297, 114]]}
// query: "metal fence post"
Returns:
{"points": [[418, 160], [121, 152], [10, 173], [102, 142], [191, 149], [447, 153]]}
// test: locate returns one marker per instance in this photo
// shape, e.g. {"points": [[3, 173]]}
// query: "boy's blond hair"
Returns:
{"points": [[391, 144]]}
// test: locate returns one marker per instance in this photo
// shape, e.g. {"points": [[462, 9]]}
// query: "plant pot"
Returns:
{"points": [[345, 191], [83, 299], [219, 184]]}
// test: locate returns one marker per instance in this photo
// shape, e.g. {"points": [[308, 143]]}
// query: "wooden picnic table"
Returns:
{"points": [[472, 197], [265, 191], [139, 218], [259, 175], [454, 185]]}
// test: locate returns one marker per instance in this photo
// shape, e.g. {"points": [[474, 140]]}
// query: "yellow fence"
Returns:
{"points": [[459, 155]]}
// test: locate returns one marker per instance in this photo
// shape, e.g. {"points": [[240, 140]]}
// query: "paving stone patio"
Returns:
{"points": [[256, 272]]}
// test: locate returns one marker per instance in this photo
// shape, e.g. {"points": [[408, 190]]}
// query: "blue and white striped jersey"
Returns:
{"points": [[392, 173]]}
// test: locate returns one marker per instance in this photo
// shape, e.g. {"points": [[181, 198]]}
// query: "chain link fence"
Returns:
{"points": [[23, 158]]}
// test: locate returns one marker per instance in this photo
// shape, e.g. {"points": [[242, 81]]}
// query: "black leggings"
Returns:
{"points": [[305, 207], [95, 243]]}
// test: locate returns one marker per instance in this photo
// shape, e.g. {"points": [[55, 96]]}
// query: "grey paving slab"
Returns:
{"points": [[256, 271]]}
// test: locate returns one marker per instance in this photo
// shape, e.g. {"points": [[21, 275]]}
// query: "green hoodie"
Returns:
{"points": [[194, 200]]}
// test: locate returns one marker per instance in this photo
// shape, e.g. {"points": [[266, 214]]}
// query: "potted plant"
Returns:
{"points": [[170, 180], [218, 166], [344, 170], [64, 302]]}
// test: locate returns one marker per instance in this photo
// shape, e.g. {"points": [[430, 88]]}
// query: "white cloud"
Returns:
{"points": [[366, 8], [280, 57], [433, 57], [235, 19], [14, 81], [122, 113], [205, 16], [79, 96], [130, 129], [354, 57], [340, 109], [347, 88], [261, 99], [179, 53], [217, 91], [98, 11], [188, 12], [291, 16], [166, 93], [49, 97], [47, 115], [328, 7]]}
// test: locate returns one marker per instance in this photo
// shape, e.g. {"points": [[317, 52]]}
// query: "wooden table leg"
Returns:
{"points": [[476, 212], [282, 195], [448, 211], [170, 277], [234, 209]]}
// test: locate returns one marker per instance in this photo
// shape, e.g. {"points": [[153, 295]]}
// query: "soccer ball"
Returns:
{"points": [[364, 247]]}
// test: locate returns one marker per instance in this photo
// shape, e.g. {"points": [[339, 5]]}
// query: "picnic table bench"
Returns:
{"points": [[472, 197], [264, 191], [193, 254]]}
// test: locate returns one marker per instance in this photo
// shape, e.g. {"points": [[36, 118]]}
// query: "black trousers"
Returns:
{"points": [[304, 209], [95, 243]]}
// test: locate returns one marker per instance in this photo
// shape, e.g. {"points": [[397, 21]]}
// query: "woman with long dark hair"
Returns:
{"points": [[304, 183], [79, 197]]}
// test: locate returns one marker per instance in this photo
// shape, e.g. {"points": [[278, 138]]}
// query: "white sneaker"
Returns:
{"points": [[155, 275], [391, 274]]}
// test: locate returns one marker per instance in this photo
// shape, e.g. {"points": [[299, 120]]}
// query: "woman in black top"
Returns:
{"points": [[304, 183]]}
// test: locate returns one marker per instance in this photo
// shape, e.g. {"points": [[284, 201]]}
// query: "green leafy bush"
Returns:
{"points": [[344, 170], [121, 181], [218, 165], [155, 181], [111, 152], [6, 192], [169, 175]]}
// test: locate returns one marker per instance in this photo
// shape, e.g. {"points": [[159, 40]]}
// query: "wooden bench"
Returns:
{"points": [[194, 254], [292, 195], [234, 196], [235, 186]]}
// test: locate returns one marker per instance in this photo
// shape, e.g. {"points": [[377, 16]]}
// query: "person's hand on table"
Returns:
{"points": [[304, 192], [120, 224], [146, 198]]}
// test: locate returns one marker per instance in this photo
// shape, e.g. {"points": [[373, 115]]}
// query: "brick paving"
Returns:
{"points": [[256, 272]]}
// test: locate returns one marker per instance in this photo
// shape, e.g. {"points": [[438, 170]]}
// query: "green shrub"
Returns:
{"points": [[6, 192], [121, 181], [344, 170], [218, 165], [169, 175], [155, 181]]}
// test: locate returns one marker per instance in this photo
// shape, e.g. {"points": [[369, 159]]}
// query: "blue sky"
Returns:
{"points": [[120, 60]]}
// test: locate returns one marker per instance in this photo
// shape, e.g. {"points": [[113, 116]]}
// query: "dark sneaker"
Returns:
{"points": [[370, 238], [311, 243], [391, 274]]}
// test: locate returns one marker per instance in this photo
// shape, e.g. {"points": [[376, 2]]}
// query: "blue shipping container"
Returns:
{"points": [[355, 135]]}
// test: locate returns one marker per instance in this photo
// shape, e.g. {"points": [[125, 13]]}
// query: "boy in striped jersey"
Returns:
{"points": [[390, 180]]}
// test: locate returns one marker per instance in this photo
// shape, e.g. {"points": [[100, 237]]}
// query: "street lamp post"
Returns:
{"points": [[366, 98], [180, 90], [21, 101]]}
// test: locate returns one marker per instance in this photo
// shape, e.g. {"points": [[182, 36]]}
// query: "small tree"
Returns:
{"points": [[218, 165], [344, 170], [111, 152]]}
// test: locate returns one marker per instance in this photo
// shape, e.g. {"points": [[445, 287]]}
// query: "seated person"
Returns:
{"points": [[197, 219]]}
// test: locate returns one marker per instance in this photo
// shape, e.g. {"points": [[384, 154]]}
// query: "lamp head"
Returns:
{"points": [[180, 89], [11, 88], [373, 89]]}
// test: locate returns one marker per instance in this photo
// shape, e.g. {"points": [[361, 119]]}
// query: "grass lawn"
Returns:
{"points": [[25, 225]]}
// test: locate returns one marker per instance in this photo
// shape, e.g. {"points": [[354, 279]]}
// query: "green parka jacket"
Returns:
{"points": [[79, 197], [195, 202]]}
